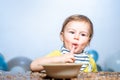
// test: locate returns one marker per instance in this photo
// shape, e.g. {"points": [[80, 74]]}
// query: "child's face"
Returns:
{"points": [[76, 34]]}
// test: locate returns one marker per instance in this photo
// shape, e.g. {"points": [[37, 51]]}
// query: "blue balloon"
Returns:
{"points": [[93, 54], [3, 64], [1, 57]]}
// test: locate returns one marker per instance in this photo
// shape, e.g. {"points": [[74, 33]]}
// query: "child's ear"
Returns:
{"points": [[61, 36], [89, 42]]}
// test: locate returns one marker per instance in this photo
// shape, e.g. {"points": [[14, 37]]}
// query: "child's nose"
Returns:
{"points": [[76, 37]]}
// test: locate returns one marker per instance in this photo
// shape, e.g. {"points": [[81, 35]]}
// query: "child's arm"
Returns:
{"points": [[36, 65]]}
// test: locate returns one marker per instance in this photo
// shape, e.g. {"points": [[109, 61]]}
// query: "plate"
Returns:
{"points": [[62, 70]]}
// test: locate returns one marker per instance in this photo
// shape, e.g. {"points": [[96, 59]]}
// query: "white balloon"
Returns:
{"points": [[19, 62], [113, 62], [17, 69]]}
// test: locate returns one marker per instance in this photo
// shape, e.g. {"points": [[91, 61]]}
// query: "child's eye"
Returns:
{"points": [[83, 34], [71, 32]]}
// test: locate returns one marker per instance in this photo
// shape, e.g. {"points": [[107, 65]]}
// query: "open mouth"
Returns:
{"points": [[75, 45]]}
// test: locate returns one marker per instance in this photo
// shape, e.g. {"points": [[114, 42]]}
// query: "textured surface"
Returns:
{"points": [[42, 76]]}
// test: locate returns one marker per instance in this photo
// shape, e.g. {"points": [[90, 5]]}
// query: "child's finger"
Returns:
{"points": [[72, 50]]}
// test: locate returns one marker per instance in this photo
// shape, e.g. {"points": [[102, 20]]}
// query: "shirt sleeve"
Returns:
{"points": [[94, 66], [54, 53]]}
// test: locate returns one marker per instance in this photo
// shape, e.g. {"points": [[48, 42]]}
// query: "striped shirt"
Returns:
{"points": [[82, 58]]}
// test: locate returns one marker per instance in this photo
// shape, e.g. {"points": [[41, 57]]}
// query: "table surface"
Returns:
{"points": [[42, 76]]}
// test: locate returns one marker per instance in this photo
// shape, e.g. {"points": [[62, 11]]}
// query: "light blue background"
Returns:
{"points": [[31, 27]]}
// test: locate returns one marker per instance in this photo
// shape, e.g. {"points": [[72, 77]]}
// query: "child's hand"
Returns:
{"points": [[72, 50], [69, 57]]}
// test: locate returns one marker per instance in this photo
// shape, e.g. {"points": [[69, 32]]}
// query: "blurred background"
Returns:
{"points": [[30, 28]]}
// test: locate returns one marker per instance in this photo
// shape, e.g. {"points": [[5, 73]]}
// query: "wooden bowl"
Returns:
{"points": [[62, 70]]}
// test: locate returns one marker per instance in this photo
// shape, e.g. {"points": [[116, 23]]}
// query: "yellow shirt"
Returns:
{"points": [[92, 62]]}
